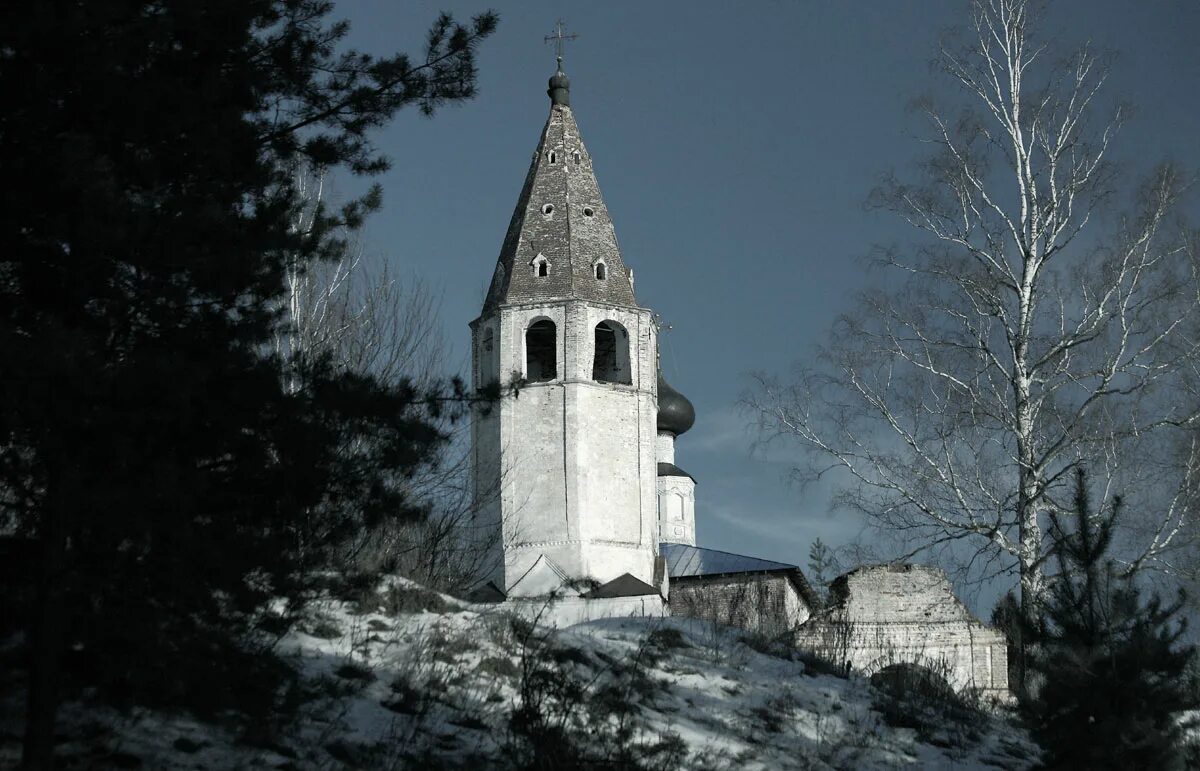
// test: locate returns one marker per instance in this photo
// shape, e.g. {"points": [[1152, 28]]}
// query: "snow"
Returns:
{"points": [[387, 691]]}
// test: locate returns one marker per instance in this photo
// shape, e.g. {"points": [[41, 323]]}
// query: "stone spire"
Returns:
{"points": [[560, 242]]}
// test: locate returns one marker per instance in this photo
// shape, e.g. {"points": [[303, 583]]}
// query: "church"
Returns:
{"points": [[579, 489]]}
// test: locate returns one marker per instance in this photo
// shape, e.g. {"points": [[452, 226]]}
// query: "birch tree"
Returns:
{"points": [[1024, 333], [353, 308], [355, 312]]}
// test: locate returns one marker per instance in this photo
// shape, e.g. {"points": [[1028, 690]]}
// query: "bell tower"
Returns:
{"points": [[565, 463]]}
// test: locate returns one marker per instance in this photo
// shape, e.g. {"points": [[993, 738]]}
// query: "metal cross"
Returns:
{"points": [[559, 38]]}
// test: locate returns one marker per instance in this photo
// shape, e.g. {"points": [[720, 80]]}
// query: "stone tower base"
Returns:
{"points": [[567, 611]]}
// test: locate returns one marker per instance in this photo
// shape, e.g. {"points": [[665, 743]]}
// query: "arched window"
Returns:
{"points": [[541, 351], [487, 358], [601, 271], [610, 362], [575, 155], [541, 266]]}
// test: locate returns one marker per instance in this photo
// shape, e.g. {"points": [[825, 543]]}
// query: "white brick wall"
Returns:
{"points": [[891, 614]]}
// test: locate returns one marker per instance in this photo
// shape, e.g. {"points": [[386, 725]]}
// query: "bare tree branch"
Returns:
{"points": [[1021, 342]]}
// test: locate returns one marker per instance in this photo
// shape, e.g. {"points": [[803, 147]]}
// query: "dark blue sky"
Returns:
{"points": [[735, 144]]}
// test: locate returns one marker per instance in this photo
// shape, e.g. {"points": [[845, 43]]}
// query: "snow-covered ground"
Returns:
{"points": [[438, 689]]}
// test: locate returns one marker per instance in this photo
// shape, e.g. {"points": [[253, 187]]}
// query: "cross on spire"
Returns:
{"points": [[559, 38]]}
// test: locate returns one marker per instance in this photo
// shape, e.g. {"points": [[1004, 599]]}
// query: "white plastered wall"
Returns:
{"points": [[677, 510], [575, 458]]}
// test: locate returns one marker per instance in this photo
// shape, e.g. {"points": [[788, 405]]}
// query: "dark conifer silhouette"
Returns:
{"points": [[1109, 671], [146, 445]]}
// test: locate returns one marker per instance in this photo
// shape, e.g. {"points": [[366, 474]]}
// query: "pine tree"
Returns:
{"points": [[146, 442], [1109, 668], [1009, 621], [822, 566]]}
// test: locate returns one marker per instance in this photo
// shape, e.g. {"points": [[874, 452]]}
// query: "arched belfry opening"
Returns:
{"points": [[541, 351], [610, 362]]}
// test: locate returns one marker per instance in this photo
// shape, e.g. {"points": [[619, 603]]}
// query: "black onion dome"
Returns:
{"points": [[560, 87], [675, 413]]}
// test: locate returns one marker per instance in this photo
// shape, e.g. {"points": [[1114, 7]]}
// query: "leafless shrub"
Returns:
{"points": [[914, 691], [826, 644], [586, 713]]}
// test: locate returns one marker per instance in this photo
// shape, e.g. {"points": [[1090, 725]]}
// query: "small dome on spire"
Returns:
{"points": [[675, 413], [560, 87]]}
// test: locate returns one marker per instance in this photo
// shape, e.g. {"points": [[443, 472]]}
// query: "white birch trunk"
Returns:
{"points": [[1023, 344]]}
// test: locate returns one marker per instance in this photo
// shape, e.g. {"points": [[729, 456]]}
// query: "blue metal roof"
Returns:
{"points": [[683, 560]]}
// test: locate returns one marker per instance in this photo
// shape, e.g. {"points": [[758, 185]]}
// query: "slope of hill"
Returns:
{"points": [[407, 678]]}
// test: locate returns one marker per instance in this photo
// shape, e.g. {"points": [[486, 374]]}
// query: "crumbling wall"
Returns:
{"points": [[766, 604], [907, 614]]}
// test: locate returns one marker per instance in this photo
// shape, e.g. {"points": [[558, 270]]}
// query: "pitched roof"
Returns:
{"points": [[685, 561], [543, 577], [671, 470], [560, 215], [624, 585], [488, 592]]}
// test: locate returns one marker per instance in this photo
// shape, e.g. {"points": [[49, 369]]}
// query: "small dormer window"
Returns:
{"points": [[548, 209], [541, 266], [575, 156], [589, 211], [553, 156], [601, 271]]}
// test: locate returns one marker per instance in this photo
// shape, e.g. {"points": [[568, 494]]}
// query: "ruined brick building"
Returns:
{"points": [[575, 469]]}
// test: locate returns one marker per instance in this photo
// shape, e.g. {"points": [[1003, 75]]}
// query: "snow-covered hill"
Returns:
{"points": [[467, 686]]}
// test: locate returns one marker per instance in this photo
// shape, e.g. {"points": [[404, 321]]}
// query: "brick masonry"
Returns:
{"points": [[767, 604], [560, 215], [907, 614]]}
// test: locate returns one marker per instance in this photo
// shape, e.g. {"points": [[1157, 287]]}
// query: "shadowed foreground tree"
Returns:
{"points": [[355, 312], [147, 441], [1018, 339], [1111, 677]]}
